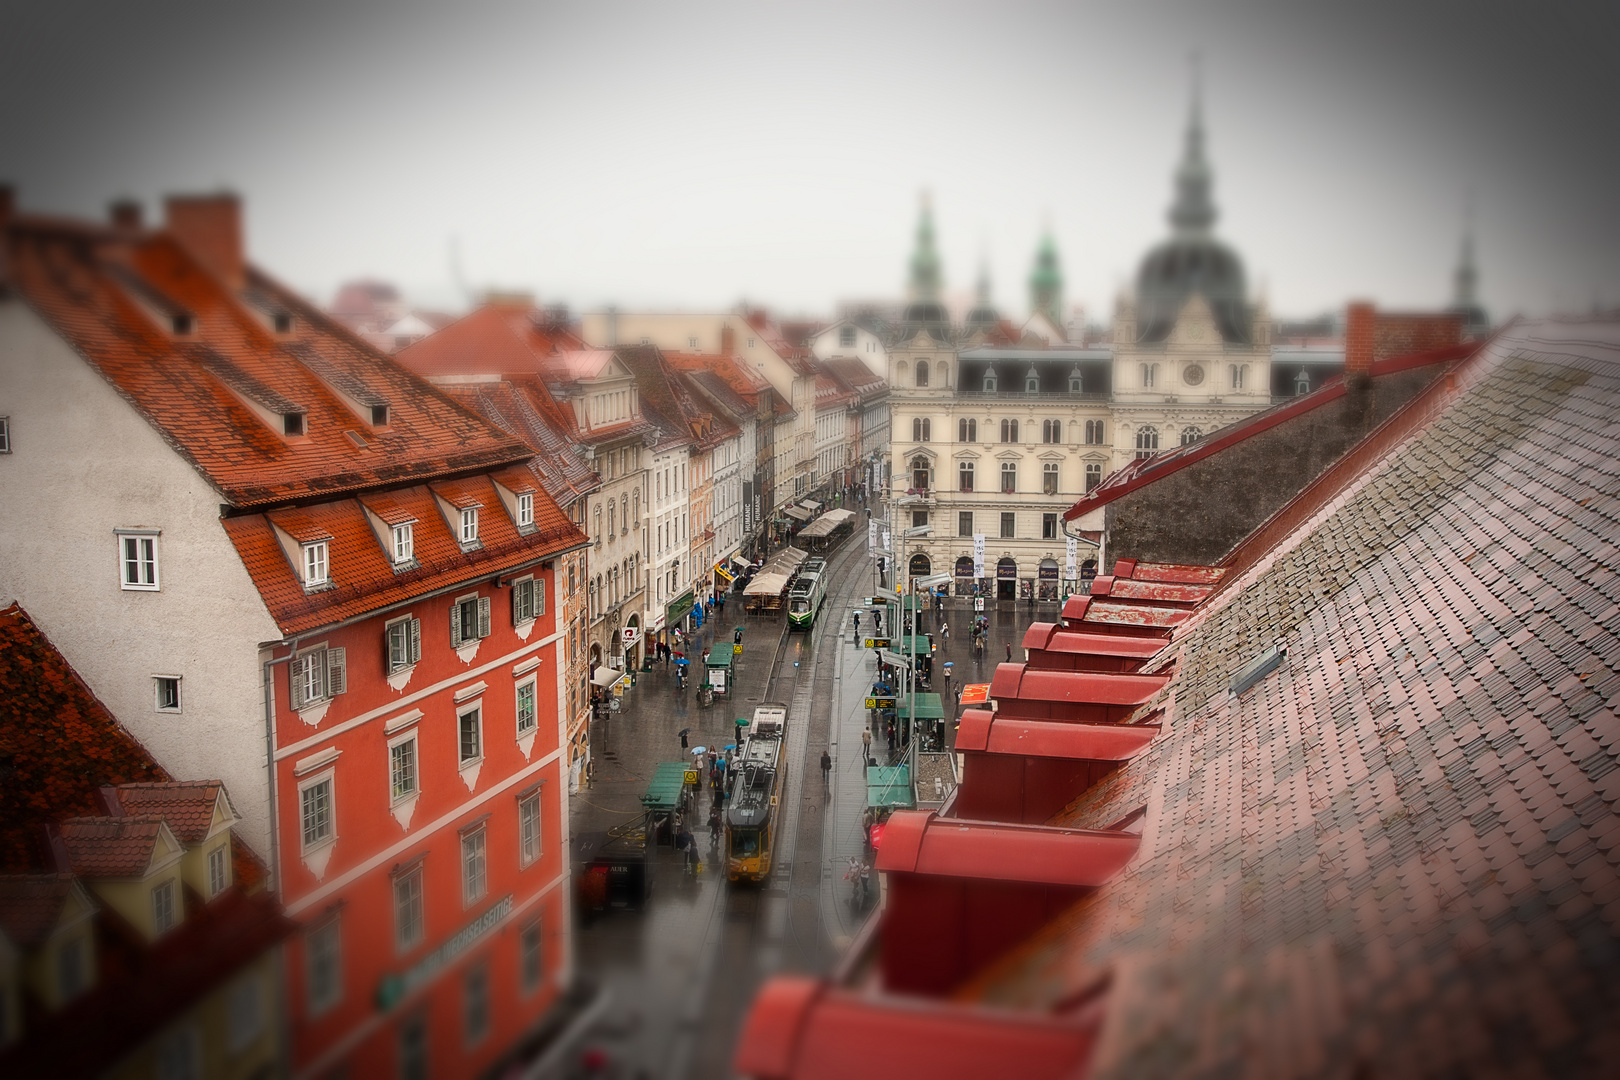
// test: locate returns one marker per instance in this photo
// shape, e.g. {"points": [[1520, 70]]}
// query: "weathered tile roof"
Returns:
{"points": [[58, 742], [187, 807], [522, 406], [1397, 854], [200, 389], [362, 573], [111, 847], [31, 905], [497, 339]]}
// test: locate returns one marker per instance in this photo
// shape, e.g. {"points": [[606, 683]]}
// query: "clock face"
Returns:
{"points": [[1193, 375]]}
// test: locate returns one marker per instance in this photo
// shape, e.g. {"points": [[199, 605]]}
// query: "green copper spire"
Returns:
{"points": [[925, 269], [1046, 282]]}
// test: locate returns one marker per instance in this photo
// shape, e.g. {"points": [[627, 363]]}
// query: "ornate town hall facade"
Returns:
{"points": [[997, 430]]}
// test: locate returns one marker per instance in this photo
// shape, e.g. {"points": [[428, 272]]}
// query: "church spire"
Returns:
{"points": [[1466, 279], [1193, 212], [925, 269], [1046, 282]]}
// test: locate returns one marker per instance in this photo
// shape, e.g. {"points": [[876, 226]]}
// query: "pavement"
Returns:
{"points": [[681, 973]]}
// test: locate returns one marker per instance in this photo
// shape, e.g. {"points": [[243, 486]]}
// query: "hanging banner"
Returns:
{"points": [[871, 537], [888, 545], [1069, 568], [978, 555], [748, 507]]}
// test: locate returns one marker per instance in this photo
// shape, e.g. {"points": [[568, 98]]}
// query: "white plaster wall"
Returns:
{"points": [[83, 462]]}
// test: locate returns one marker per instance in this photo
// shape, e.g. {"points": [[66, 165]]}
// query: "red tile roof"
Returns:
{"points": [[58, 743], [362, 573], [496, 339], [31, 906], [111, 847], [186, 807], [200, 390]]}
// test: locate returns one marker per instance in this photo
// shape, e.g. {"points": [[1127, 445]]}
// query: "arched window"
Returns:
{"points": [[1032, 380], [1147, 441], [598, 524], [1009, 431], [1094, 433], [919, 474], [1049, 478], [1077, 380], [989, 380], [637, 503], [964, 476], [593, 599], [1302, 382], [1190, 435], [1093, 475], [612, 515], [922, 373], [967, 431], [1009, 476], [922, 429], [1051, 431], [901, 371]]}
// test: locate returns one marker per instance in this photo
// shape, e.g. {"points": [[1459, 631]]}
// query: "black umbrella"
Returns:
{"points": [[684, 731]]}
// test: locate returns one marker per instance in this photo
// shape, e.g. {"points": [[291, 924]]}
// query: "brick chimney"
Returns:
{"points": [[1360, 324], [728, 341], [125, 214], [8, 204], [210, 228]]}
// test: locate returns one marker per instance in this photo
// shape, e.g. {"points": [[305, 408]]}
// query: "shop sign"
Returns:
{"points": [[630, 634], [1049, 573], [394, 988], [976, 693], [1007, 571], [679, 608], [750, 509]]}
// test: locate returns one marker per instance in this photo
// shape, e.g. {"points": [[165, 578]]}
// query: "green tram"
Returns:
{"points": [[758, 796], [808, 593]]}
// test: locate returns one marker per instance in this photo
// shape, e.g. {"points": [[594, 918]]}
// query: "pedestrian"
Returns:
{"points": [[866, 742], [958, 697], [877, 618], [688, 849], [945, 631], [857, 615], [1009, 652], [683, 737], [714, 825], [826, 770]]}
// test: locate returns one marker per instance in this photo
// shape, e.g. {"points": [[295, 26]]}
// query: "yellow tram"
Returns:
{"points": [[758, 794]]}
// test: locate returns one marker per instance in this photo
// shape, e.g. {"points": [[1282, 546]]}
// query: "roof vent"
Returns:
{"points": [[1258, 668]]}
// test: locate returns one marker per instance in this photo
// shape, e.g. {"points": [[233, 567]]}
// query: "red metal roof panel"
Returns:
{"points": [[997, 851], [1020, 682]]}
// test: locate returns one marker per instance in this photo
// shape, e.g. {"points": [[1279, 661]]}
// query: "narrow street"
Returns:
{"points": [[681, 972]]}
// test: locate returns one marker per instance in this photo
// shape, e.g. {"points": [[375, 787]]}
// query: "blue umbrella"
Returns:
{"points": [[682, 661], [729, 746], [699, 750]]}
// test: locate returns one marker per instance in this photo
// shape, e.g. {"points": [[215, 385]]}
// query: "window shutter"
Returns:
{"points": [[539, 604], [483, 616], [337, 672], [416, 640], [455, 626], [295, 682]]}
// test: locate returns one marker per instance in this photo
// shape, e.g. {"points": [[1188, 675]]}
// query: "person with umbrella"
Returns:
{"points": [[683, 733]]}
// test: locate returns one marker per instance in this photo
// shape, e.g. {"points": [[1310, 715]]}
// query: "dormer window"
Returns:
{"points": [[990, 380], [181, 323], [1077, 381], [525, 510], [315, 565], [163, 914], [1032, 380], [404, 543], [292, 423], [379, 416], [469, 525], [282, 322]]}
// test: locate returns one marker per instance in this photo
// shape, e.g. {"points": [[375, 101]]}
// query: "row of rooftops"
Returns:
{"points": [[1347, 803]]}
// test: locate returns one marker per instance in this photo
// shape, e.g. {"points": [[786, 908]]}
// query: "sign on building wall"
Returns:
{"points": [[978, 555], [750, 511]]}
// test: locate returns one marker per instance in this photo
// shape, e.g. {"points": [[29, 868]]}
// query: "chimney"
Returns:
{"points": [[125, 214], [8, 204], [728, 340], [210, 228], [1360, 321]]}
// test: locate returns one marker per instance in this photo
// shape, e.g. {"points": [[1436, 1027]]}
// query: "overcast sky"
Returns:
{"points": [[695, 154]]}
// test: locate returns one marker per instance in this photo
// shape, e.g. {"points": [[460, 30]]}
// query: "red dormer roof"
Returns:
{"points": [[187, 807], [111, 847], [495, 339], [189, 352], [1165, 593]]}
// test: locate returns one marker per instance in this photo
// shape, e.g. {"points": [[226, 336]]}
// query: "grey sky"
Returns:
{"points": [[688, 154]]}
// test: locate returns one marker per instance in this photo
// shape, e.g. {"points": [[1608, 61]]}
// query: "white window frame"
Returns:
{"points": [[5, 434], [219, 869], [323, 958], [316, 559], [146, 564], [164, 916], [403, 942], [319, 673], [476, 709], [530, 843], [407, 649], [532, 686], [481, 624], [528, 600], [244, 1012], [469, 526], [404, 537], [326, 778], [474, 865], [395, 795], [525, 509], [158, 682]]}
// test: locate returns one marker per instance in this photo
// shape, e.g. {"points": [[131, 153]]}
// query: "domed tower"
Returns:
{"points": [[1192, 261], [1465, 284], [1046, 283], [983, 315]]}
